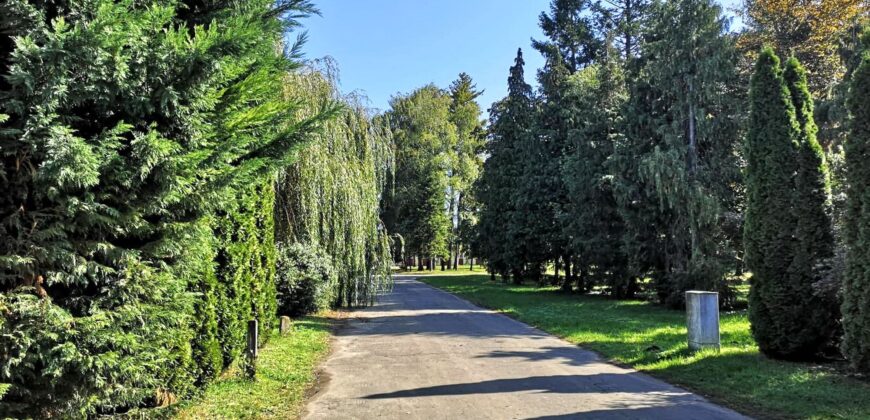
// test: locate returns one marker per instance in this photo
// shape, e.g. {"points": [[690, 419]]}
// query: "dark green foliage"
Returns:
{"points": [[124, 129], [856, 284], [592, 218], [787, 319], [677, 167], [812, 207], [306, 280], [499, 241]]}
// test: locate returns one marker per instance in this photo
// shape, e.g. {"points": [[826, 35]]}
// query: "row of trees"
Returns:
{"points": [[643, 163], [438, 136], [143, 149]]}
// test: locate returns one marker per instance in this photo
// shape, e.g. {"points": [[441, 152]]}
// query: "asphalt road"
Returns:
{"points": [[422, 353]]}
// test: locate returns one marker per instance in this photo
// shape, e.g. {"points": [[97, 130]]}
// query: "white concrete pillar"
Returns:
{"points": [[702, 316]]}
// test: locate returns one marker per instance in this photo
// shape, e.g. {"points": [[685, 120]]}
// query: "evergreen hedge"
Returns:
{"points": [[138, 142], [856, 285]]}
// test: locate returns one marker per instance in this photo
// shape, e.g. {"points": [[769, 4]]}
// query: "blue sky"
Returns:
{"points": [[385, 47]]}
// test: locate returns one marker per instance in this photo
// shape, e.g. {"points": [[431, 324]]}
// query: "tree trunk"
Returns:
{"points": [[419, 263], [471, 264], [566, 283], [456, 257]]}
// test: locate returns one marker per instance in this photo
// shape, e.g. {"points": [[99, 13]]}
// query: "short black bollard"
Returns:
{"points": [[251, 353]]}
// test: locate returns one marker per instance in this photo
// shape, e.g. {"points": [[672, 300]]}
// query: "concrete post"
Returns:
{"points": [[702, 316], [285, 325]]}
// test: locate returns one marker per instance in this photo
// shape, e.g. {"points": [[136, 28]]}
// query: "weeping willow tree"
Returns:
{"points": [[329, 198]]}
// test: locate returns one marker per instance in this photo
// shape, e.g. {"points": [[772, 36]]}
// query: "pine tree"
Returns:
{"points": [[776, 303], [466, 162], [856, 284], [511, 123]]}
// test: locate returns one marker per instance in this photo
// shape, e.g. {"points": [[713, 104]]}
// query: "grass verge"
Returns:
{"points": [[652, 339], [285, 372]]}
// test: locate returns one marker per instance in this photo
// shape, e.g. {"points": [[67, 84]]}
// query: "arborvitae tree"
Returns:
{"points": [[856, 285], [692, 167], [126, 130], [778, 305], [424, 139], [812, 207], [466, 162], [511, 123]]}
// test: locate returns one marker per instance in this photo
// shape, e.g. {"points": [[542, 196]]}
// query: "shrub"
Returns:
{"points": [[306, 280]]}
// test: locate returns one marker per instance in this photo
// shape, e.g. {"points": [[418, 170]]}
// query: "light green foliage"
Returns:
{"points": [[128, 129], [425, 141], [306, 280], [856, 290], [245, 263], [329, 199]]}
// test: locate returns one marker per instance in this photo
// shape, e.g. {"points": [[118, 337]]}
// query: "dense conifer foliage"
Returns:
{"points": [[138, 145], [856, 284], [787, 319], [500, 241]]}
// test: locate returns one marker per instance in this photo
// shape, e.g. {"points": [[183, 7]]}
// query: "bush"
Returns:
{"points": [[245, 267], [306, 280], [128, 346]]}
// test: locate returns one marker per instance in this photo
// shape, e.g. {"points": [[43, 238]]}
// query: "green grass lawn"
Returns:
{"points": [[285, 371], [653, 339]]}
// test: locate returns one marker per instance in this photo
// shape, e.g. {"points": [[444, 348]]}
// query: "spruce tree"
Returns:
{"points": [[592, 221], [777, 304], [856, 284], [572, 43], [511, 123]]}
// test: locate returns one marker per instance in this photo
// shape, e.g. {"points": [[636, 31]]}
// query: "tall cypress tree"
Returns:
{"points": [[776, 302], [856, 286], [499, 239], [812, 201]]}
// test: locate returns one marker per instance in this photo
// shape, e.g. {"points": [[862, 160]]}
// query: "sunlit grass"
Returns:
{"points": [[653, 339], [285, 371]]}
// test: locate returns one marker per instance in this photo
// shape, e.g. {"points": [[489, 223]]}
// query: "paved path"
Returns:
{"points": [[426, 354]]}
